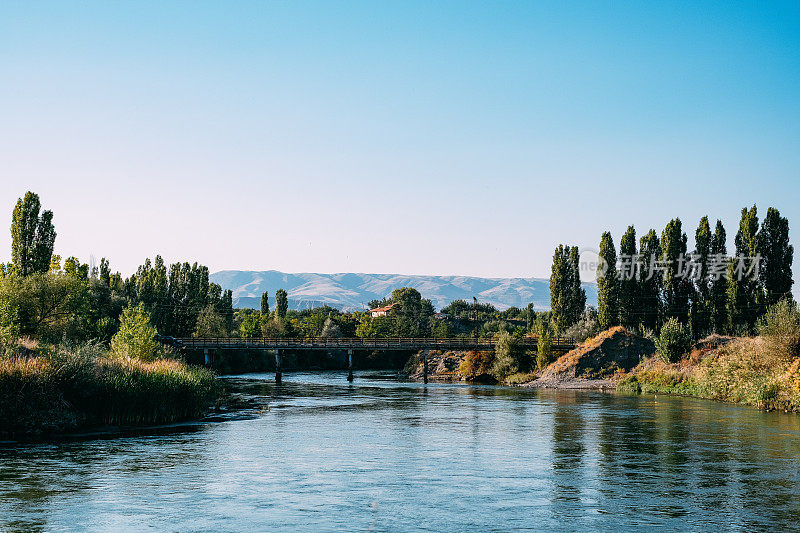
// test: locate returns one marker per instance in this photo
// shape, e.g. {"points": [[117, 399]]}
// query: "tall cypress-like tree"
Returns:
{"points": [[281, 303], [607, 283], [563, 292], [701, 317], [578, 300], [717, 299], [629, 281], [649, 308], [265, 303], [32, 236], [776, 257], [745, 297], [676, 287]]}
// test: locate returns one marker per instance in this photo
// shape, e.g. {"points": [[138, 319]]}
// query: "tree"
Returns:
{"points": [[281, 303], [32, 236], [330, 329], [45, 306], [136, 335], [776, 257], [673, 341], [701, 307], [649, 308], [567, 297], [265, 303], [251, 325], [607, 287], [508, 355], [745, 296], [717, 298], [676, 287], [210, 323], [544, 342], [629, 280]]}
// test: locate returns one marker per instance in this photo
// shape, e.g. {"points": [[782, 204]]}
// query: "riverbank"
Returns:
{"points": [[58, 389], [757, 371]]}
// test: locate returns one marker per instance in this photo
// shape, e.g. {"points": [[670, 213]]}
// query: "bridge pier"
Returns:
{"points": [[425, 368], [350, 365], [278, 361], [206, 357]]}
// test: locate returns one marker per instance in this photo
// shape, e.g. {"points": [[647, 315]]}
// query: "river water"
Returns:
{"points": [[319, 454]]}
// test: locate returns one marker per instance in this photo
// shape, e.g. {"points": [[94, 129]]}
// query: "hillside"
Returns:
{"points": [[352, 291]]}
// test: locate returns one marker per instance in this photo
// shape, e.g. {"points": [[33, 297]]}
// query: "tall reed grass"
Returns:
{"points": [[61, 388]]}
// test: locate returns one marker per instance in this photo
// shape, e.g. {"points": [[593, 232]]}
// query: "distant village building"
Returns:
{"points": [[441, 316], [382, 311]]}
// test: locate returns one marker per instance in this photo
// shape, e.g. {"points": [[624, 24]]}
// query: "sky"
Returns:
{"points": [[442, 138]]}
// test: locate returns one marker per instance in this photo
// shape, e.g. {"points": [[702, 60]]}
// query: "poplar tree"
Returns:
{"points": [[265, 304], [701, 320], [649, 307], [776, 257], [607, 286], [629, 281], [745, 299], [676, 287], [32, 236], [281, 303], [578, 300], [717, 299]]}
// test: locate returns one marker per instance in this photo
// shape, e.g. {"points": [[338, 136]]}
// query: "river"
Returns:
{"points": [[319, 454]]}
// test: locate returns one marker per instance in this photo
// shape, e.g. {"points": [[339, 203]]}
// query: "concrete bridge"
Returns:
{"points": [[353, 343]]}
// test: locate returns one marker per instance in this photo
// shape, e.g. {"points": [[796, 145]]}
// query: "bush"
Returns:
{"points": [[476, 364], [136, 337], [673, 342], [65, 388], [588, 326], [507, 356], [780, 328]]}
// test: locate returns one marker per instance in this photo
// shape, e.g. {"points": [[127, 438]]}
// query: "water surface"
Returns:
{"points": [[319, 454]]}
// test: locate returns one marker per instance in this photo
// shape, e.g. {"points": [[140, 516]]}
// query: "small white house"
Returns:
{"points": [[381, 311]]}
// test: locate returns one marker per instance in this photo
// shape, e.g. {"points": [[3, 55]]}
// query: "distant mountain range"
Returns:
{"points": [[350, 292]]}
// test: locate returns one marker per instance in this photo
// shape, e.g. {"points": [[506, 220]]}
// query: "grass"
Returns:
{"points": [[746, 370], [59, 389]]}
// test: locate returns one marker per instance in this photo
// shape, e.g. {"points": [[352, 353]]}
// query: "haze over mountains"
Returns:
{"points": [[350, 292]]}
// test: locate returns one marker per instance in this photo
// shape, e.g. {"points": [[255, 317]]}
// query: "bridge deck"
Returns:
{"points": [[357, 343]]}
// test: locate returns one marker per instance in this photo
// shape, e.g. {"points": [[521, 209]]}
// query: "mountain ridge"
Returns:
{"points": [[350, 291]]}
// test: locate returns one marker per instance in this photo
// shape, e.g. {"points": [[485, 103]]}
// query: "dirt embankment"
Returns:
{"points": [[446, 366], [598, 363]]}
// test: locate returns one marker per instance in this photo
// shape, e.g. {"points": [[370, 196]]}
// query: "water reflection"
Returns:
{"points": [[317, 453]]}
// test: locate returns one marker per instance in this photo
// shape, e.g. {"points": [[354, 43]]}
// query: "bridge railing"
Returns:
{"points": [[358, 342]]}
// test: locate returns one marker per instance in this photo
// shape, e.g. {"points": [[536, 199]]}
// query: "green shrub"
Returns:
{"points": [[136, 337], [780, 327], [673, 342], [507, 356]]}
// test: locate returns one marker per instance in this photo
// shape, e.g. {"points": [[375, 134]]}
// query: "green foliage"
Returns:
{"points": [[673, 342], [331, 329], [567, 297], [136, 336], [629, 284], [250, 326], [507, 356], [717, 296], [776, 257], [45, 306], [66, 388], [607, 283], [587, 326], [780, 327], [281, 303], [210, 323], [649, 303], [32, 236], [677, 289], [745, 297], [701, 307], [265, 303]]}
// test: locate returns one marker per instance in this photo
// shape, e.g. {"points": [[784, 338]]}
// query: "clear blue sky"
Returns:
{"points": [[409, 137]]}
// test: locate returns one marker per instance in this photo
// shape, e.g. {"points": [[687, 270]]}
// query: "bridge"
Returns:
{"points": [[353, 343]]}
